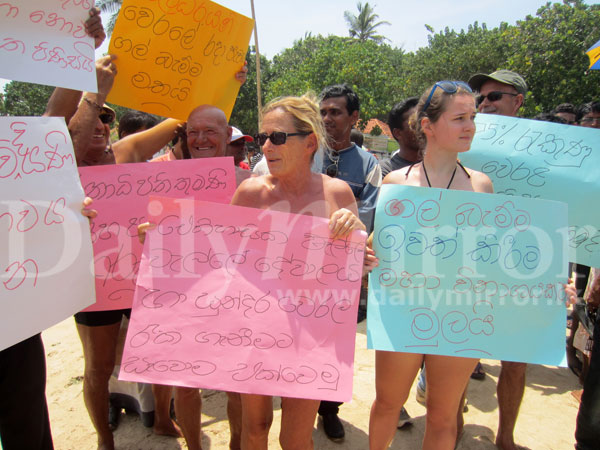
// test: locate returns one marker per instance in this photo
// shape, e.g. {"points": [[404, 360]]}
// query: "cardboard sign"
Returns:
{"points": [[468, 274], [121, 193], [546, 160], [45, 252], [174, 56], [245, 300], [45, 42]]}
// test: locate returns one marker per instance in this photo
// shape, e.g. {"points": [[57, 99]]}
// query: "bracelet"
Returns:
{"points": [[92, 103]]}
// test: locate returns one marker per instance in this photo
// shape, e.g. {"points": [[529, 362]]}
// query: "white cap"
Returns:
{"points": [[237, 134]]}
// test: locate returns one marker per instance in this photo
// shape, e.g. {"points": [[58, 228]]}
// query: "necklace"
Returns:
{"points": [[427, 176]]}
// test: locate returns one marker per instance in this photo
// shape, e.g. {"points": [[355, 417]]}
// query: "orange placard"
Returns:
{"points": [[174, 55]]}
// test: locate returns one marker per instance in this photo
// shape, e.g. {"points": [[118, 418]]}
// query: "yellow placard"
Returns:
{"points": [[174, 55]]}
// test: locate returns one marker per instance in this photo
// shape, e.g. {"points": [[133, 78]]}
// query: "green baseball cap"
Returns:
{"points": [[503, 76]]}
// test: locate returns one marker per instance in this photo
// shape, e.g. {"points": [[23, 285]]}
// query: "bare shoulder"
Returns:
{"points": [[339, 191], [335, 185], [397, 176], [250, 191], [481, 182]]}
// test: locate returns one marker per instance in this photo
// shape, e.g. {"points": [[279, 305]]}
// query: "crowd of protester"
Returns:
{"points": [[304, 143]]}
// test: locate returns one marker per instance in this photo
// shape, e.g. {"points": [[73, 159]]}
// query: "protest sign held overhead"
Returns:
{"points": [[45, 251], [120, 193], [174, 56], [245, 300], [46, 43], [468, 274], [545, 160]]}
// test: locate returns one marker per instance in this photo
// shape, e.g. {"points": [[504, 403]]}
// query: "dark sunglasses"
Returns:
{"points": [[449, 87], [276, 137], [590, 120], [332, 169], [493, 96], [106, 118]]}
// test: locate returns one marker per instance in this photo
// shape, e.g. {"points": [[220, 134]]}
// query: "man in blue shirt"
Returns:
{"points": [[339, 106], [344, 160]]}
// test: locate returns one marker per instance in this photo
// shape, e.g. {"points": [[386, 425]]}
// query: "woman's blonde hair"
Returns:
{"points": [[306, 116], [434, 108]]}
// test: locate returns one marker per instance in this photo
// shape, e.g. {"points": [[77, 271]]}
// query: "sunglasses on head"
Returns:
{"points": [[332, 169], [493, 96], [106, 118], [276, 137], [449, 87]]}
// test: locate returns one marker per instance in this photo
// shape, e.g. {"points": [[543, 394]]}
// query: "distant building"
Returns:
{"points": [[381, 146], [384, 127]]}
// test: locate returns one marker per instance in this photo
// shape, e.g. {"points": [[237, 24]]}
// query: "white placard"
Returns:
{"points": [[46, 249], [45, 42]]}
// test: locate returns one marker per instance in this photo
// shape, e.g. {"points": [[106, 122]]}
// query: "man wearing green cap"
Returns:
{"points": [[503, 92]]}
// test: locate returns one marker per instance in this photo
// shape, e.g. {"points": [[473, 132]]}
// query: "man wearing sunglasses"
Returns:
{"points": [[502, 92], [339, 107], [566, 111], [589, 115]]}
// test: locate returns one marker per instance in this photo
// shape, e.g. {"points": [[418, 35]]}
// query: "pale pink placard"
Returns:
{"points": [[45, 42], [121, 193], [245, 300], [44, 239]]}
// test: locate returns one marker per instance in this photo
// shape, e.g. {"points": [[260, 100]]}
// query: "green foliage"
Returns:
{"points": [[245, 112], [376, 131], [313, 63], [547, 49], [549, 52], [363, 25], [453, 55], [25, 99]]}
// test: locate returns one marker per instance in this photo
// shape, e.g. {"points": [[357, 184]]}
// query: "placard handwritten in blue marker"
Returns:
{"points": [[468, 274], [545, 160]]}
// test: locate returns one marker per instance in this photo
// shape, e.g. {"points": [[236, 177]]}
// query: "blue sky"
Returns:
{"points": [[281, 22]]}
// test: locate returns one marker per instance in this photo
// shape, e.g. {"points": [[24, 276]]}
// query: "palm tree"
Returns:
{"points": [[111, 6], [363, 25]]}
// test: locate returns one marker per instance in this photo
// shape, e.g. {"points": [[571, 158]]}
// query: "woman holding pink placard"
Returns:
{"points": [[291, 132]]}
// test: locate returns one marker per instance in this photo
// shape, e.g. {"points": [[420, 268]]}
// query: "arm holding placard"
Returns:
{"points": [[94, 28], [344, 221], [140, 147], [85, 119]]}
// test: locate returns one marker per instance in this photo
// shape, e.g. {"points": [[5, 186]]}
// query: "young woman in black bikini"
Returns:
{"points": [[444, 124]]}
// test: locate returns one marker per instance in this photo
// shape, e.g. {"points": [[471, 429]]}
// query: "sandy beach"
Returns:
{"points": [[546, 420]]}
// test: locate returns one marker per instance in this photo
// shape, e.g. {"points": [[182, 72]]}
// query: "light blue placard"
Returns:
{"points": [[545, 160], [468, 274]]}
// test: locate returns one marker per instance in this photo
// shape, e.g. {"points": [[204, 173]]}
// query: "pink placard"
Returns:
{"points": [[245, 300], [121, 193]]}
